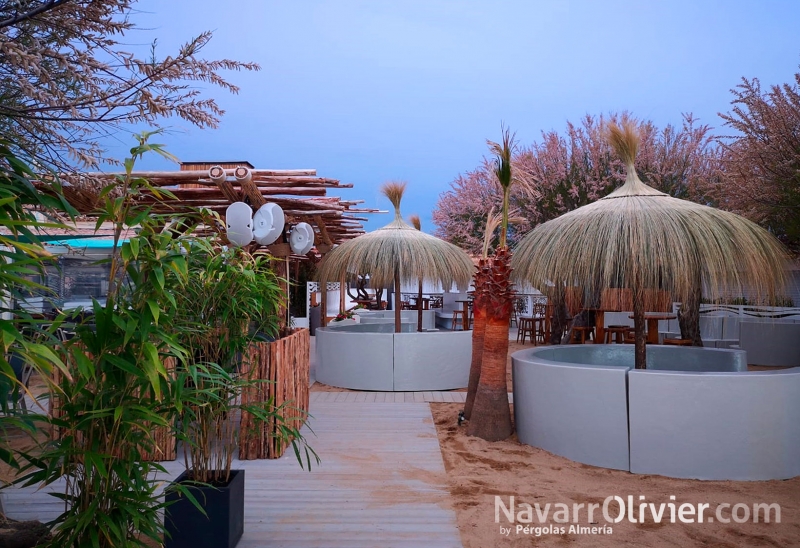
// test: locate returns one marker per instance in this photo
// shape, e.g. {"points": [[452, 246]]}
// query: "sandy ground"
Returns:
{"points": [[477, 471]]}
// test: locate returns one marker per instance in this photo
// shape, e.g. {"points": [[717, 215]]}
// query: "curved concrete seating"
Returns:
{"points": [[406, 316], [694, 413], [715, 426], [370, 356], [770, 343]]}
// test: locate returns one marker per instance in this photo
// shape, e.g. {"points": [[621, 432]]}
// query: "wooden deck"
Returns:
{"points": [[381, 481], [392, 397]]}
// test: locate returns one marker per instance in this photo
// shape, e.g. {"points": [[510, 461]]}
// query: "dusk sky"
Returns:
{"points": [[376, 90]]}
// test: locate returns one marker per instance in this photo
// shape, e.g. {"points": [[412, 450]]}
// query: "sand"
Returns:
{"points": [[477, 471]]}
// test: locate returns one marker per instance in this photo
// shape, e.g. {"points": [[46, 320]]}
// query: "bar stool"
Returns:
{"points": [[615, 333], [458, 316], [582, 333], [526, 326]]}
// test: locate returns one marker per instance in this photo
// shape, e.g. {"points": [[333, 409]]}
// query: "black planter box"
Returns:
{"points": [[223, 526]]}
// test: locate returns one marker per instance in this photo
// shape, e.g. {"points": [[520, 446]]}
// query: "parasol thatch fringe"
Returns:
{"points": [[415, 221]]}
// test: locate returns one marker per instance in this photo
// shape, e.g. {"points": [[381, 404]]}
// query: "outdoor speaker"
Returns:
{"points": [[301, 240], [268, 223], [239, 223]]}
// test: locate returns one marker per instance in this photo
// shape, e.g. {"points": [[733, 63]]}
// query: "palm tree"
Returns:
{"points": [[645, 240], [397, 252], [488, 410]]}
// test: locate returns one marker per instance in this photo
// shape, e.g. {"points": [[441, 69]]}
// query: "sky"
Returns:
{"points": [[370, 91]]}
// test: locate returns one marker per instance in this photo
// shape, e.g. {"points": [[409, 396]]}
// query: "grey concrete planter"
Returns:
{"points": [[694, 413], [370, 356]]}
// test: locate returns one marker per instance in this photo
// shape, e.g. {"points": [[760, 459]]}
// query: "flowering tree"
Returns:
{"points": [[65, 78], [762, 163], [461, 212], [563, 172], [560, 173]]}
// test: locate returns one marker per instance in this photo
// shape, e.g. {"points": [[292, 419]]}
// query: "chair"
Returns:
{"points": [[540, 320], [616, 333], [583, 333], [458, 316], [526, 327]]}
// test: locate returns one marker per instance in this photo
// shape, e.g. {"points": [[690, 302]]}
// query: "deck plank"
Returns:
{"points": [[381, 482]]}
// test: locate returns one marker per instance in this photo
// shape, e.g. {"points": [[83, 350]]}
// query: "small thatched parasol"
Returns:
{"points": [[643, 239], [398, 252]]}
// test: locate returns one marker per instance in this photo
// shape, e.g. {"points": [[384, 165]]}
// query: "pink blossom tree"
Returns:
{"points": [[762, 162]]}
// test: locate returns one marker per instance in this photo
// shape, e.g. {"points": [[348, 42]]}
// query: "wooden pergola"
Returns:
{"points": [[299, 192]]}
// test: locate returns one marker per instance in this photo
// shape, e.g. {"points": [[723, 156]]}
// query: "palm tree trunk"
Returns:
{"points": [[397, 321], [480, 283], [491, 416], [640, 349], [478, 331]]}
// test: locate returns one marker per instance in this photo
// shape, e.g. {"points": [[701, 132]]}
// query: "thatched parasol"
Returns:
{"points": [[643, 239], [398, 252]]}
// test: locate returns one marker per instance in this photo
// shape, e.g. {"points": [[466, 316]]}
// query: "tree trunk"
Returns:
{"points": [[478, 332], [397, 320], [481, 284], [689, 315], [640, 350], [491, 416]]}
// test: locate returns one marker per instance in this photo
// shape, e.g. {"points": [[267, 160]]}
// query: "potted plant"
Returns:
{"points": [[232, 299]]}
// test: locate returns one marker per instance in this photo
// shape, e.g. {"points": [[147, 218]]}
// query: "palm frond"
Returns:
{"points": [[492, 222]]}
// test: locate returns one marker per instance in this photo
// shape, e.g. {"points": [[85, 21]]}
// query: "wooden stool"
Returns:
{"points": [[526, 327], [630, 336], [582, 333], [615, 333], [458, 316], [678, 342]]}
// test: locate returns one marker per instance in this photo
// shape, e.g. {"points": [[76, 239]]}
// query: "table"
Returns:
{"points": [[652, 324], [465, 304]]}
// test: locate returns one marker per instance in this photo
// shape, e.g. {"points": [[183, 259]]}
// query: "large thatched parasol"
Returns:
{"points": [[643, 239], [398, 252]]}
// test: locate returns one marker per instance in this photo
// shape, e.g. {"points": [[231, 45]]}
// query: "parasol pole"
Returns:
{"points": [[397, 322]]}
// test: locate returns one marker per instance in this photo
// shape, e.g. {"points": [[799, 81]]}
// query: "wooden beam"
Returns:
{"points": [[323, 230]]}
